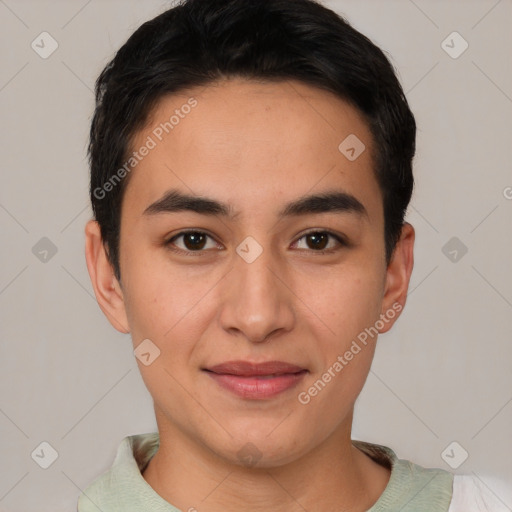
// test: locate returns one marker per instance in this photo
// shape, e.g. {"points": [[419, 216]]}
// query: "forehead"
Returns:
{"points": [[253, 143]]}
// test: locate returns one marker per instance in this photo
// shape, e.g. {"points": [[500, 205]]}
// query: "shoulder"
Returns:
{"points": [[411, 487], [122, 487], [99, 492], [414, 488]]}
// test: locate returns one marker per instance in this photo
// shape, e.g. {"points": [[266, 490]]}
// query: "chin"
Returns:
{"points": [[259, 450]]}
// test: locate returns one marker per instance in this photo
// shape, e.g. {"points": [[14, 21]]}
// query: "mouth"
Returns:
{"points": [[256, 381]]}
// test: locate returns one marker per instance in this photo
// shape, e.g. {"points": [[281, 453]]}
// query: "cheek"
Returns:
{"points": [[350, 309], [159, 309], [350, 301], [156, 296], [169, 308]]}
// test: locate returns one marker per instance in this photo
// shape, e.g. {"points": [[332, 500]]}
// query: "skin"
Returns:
{"points": [[255, 146]]}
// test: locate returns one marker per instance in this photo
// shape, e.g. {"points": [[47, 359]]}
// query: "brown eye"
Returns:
{"points": [[194, 241], [191, 241], [318, 241]]}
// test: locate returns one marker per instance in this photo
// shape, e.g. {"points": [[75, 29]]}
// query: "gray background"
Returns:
{"points": [[442, 374]]}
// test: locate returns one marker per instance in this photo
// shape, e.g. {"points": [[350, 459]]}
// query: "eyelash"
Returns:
{"points": [[341, 241]]}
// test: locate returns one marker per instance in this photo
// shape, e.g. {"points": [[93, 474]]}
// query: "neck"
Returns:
{"points": [[334, 476]]}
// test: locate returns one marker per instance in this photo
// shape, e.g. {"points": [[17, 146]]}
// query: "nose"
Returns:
{"points": [[257, 301]]}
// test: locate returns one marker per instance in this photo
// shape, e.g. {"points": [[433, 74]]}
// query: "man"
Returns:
{"points": [[251, 166]]}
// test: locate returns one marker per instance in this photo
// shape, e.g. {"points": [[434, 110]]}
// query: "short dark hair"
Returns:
{"points": [[198, 42]]}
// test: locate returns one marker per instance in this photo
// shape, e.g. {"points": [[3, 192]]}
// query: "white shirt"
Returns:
{"points": [[470, 494]]}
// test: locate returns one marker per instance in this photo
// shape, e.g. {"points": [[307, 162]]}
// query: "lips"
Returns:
{"points": [[256, 381], [247, 369]]}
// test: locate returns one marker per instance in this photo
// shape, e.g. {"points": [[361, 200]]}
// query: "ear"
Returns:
{"points": [[106, 287], [398, 275]]}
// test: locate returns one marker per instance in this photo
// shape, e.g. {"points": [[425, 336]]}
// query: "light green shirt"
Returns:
{"points": [[411, 488]]}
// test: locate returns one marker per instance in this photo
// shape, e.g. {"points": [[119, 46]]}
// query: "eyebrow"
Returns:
{"points": [[331, 201]]}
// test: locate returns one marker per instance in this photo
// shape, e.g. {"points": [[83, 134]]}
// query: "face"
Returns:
{"points": [[256, 300]]}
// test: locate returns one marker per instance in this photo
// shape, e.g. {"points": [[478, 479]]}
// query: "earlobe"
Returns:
{"points": [[398, 275], [106, 287]]}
